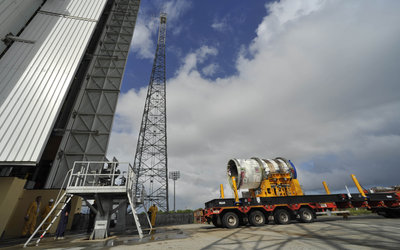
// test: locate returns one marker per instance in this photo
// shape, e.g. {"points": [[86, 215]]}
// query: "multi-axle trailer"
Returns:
{"points": [[273, 191], [256, 211]]}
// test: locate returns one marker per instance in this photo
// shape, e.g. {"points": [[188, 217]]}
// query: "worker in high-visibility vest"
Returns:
{"points": [[45, 212], [31, 216], [153, 212]]}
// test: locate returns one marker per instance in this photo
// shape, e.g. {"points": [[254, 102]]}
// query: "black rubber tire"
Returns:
{"points": [[216, 221], [306, 215], [257, 218], [230, 220], [282, 216]]}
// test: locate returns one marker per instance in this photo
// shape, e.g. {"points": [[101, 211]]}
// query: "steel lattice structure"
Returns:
{"points": [[88, 130], [151, 151]]}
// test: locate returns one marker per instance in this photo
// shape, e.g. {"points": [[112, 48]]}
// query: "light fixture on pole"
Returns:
{"points": [[174, 175]]}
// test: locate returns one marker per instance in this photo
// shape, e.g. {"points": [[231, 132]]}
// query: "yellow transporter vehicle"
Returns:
{"points": [[273, 190]]}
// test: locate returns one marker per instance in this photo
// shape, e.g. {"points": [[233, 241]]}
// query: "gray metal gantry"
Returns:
{"points": [[86, 135], [151, 162], [111, 184]]}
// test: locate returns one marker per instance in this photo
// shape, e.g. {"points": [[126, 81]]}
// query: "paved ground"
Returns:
{"points": [[361, 232]]}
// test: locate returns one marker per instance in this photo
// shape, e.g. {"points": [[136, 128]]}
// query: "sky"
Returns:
{"points": [[316, 82]]}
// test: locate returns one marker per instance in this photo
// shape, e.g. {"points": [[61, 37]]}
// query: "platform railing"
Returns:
{"points": [[89, 174], [131, 181]]}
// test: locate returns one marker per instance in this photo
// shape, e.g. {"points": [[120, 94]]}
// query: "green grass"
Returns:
{"points": [[359, 211]]}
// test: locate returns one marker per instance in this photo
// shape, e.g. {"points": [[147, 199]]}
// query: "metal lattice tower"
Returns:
{"points": [[151, 151], [88, 130]]}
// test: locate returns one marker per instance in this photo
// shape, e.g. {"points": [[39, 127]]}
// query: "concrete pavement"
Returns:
{"points": [[358, 232]]}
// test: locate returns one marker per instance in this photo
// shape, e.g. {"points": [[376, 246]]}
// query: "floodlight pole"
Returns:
{"points": [[174, 196], [174, 175]]}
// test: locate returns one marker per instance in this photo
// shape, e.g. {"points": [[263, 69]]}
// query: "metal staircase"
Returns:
{"points": [[136, 204], [140, 202], [106, 182], [135, 217]]}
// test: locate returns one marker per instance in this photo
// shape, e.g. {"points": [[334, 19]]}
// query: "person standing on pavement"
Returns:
{"points": [[31, 217], [62, 224], [45, 212], [92, 218], [153, 213]]}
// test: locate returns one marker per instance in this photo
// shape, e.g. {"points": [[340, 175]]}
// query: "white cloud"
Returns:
{"points": [[142, 41], [210, 69], [205, 51], [281, 16], [192, 59], [223, 24], [320, 89], [175, 9], [144, 38], [219, 25]]}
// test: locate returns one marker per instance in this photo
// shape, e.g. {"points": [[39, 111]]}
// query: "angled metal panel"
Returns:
{"points": [[89, 9], [35, 77], [87, 134], [14, 14]]}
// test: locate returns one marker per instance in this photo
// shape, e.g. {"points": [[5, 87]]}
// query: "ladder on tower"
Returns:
{"points": [[142, 196], [133, 203], [63, 200], [147, 216], [138, 226]]}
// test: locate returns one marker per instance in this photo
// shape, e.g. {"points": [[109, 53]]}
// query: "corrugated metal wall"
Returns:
{"points": [[14, 14], [35, 78]]}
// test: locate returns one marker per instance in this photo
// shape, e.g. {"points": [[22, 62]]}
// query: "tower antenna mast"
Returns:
{"points": [[151, 162]]}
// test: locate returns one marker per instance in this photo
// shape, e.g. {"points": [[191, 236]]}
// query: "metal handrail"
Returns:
{"points": [[62, 185], [79, 178]]}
